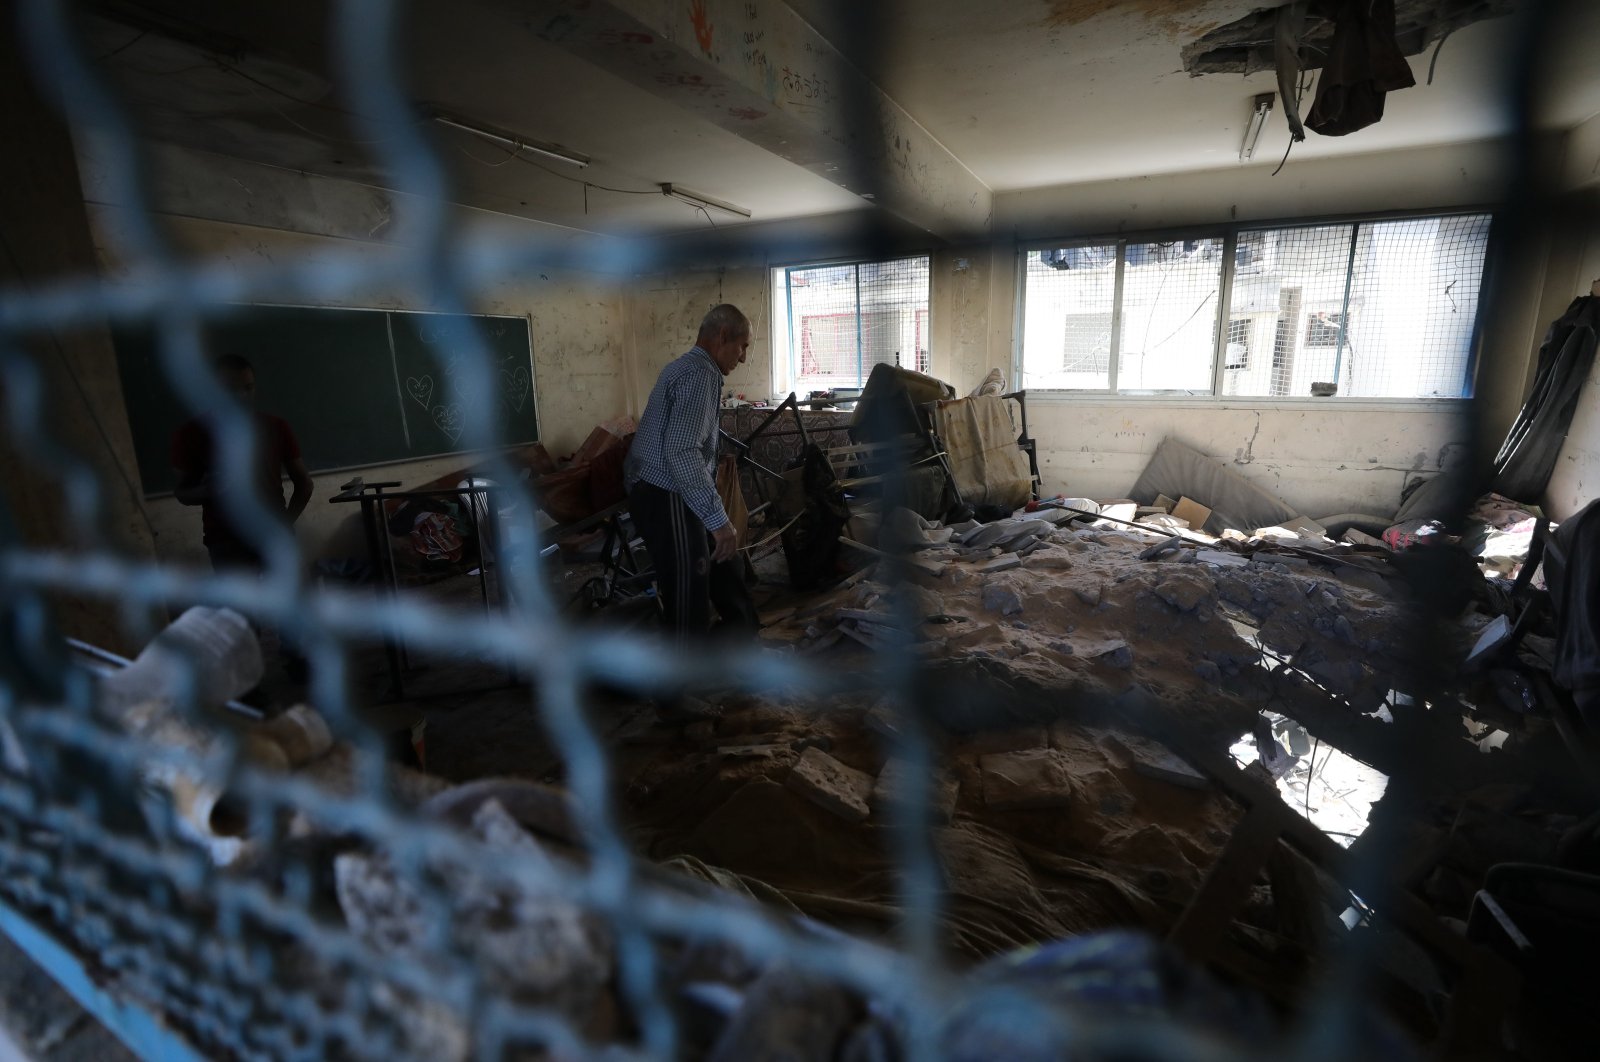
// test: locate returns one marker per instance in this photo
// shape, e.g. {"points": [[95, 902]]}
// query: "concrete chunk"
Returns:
{"points": [[1166, 766], [1221, 559], [1049, 558], [1001, 599], [1185, 591], [1037, 778], [831, 785], [894, 781], [1011, 739], [751, 752]]}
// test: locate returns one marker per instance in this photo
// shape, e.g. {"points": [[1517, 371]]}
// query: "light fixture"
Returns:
{"points": [[514, 142], [1258, 121], [696, 199]]}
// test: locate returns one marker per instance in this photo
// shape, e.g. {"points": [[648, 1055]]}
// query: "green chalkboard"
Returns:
{"points": [[359, 387]]}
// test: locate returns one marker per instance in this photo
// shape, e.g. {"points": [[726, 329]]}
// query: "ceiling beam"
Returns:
{"points": [[756, 69]]}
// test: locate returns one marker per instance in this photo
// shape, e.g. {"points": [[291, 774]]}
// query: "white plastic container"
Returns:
{"points": [[216, 646]]}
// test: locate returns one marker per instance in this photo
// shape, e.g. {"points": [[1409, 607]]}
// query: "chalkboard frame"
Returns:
{"points": [[507, 443]]}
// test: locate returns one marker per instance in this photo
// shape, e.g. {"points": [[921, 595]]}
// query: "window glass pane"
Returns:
{"points": [[1169, 315], [846, 319], [1413, 301], [1238, 345], [1068, 303], [1413, 290], [1288, 290]]}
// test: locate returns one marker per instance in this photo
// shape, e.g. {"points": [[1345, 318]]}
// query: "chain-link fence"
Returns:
{"points": [[263, 913]]}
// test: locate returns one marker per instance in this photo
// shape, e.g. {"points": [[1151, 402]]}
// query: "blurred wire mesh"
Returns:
{"points": [[109, 831]]}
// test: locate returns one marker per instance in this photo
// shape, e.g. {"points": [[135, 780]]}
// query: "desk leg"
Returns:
{"points": [[376, 548]]}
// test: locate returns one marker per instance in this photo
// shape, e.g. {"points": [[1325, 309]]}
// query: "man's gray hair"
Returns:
{"points": [[724, 317]]}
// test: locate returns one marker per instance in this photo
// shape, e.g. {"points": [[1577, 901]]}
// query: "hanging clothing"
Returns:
{"points": [[1526, 459], [1574, 582], [1364, 63]]}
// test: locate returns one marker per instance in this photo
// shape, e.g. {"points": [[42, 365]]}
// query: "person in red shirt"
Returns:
{"points": [[277, 454]]}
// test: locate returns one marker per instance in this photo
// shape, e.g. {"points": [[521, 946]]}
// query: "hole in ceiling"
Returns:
{"points": [[1246, 46]]}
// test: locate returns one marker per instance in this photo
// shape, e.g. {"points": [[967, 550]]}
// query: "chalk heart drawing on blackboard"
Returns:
{"points": [[421, 389], [449, 420], [516, 387]]}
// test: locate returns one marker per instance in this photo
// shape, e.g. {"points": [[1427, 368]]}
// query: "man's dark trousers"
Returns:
{"points": [[689, 584]]}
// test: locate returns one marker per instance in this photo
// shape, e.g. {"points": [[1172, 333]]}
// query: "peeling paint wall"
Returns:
{"points": [[959, 315], [1320, 462], [664, 312], [578, 329]]}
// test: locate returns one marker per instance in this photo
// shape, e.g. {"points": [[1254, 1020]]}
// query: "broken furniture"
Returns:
{"points": [[938, 454], [1482, 975], [774, 437], [374, 499], [621, 570], [1545, 923], [893, 444], [762, 477], [622, 574], [992, 460]]}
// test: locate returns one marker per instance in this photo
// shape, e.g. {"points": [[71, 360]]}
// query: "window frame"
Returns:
{"points": [[1229, 233], [785, 372]]}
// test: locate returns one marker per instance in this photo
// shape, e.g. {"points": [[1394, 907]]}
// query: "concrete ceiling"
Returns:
{"points": [[1044, 92], [1024, 94], [271, 97]]}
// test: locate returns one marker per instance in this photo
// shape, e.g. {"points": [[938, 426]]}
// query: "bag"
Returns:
{"points": [[732, 495], [436, 540]]}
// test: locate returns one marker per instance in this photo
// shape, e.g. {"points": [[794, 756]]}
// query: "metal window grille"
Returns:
{"points": [[1069, 303], [1372, 309], [844, 319], [1238, 348], [1375, 309], [1125, 316], [1169, 311], [1285, 284], [1087, 347], [1413, 302]]}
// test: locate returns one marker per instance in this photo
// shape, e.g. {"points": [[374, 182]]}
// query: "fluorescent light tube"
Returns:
{"points": [[515, 142], [1258, 122], [696, 199]]}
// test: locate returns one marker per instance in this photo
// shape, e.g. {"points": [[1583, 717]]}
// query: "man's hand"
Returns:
{"points": [[725, 543]]}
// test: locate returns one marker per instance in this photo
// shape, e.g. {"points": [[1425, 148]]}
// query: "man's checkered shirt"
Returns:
{"points": [[676, 444]]}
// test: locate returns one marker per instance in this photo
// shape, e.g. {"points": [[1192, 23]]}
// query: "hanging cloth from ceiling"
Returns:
{"points": [[1527, 457], [1288, 28], [1364, 63]]}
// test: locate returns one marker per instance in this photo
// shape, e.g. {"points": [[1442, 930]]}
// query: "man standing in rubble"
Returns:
{"points": [[672, 490]]}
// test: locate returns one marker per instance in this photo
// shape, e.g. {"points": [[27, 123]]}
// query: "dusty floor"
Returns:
{"points": [[1075, 659], [1060, 694]]}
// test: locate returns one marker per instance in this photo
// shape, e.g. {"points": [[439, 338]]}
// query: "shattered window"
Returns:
{"points": [[1070, 303], [1169, 315], [1368, 309]]}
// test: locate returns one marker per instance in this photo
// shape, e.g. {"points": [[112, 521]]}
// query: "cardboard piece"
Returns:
{"points": [[1192, 511]]}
